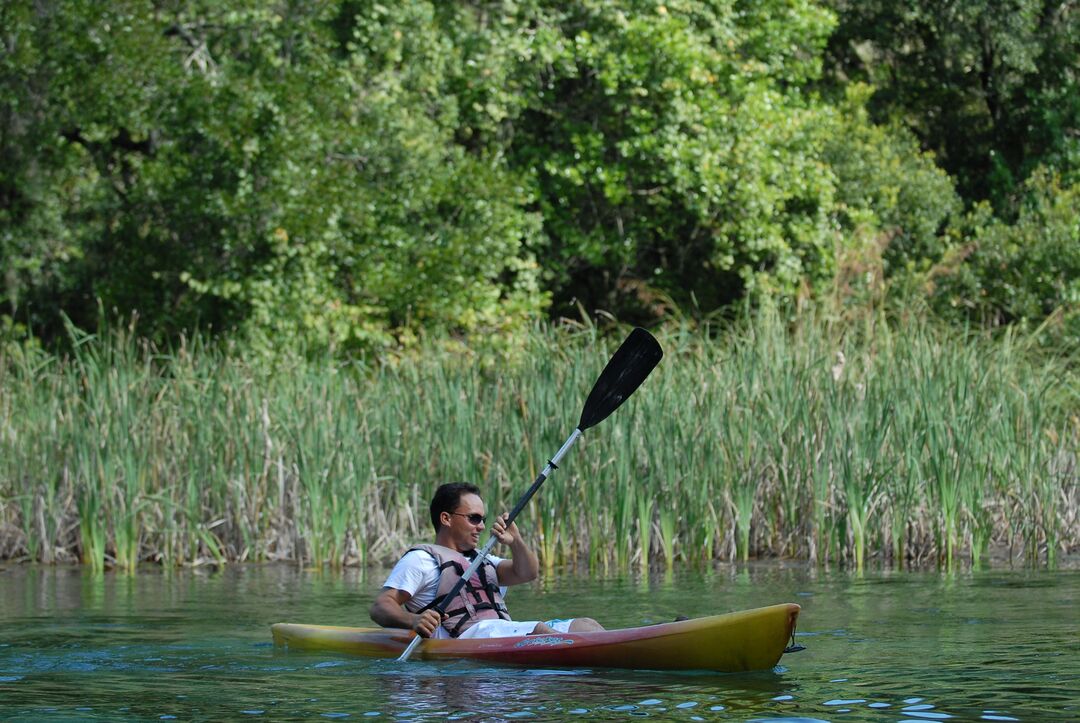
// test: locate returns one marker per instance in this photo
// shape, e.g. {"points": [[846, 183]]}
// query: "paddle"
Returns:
{"points": [[624, 373]]}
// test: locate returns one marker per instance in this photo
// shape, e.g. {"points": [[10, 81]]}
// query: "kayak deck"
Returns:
{"points": [[734, 642]]}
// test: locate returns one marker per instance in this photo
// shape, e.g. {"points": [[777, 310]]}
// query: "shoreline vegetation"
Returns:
{"points": [[865, 444], [373, 214]]}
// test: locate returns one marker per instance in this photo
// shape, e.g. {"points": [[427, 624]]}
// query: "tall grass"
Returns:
{"points": [[900, 446]]}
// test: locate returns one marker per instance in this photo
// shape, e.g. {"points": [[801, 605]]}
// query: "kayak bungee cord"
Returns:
{"points": [[635, 358]]}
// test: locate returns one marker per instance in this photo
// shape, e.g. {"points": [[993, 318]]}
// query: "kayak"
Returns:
{"points": [[730, 643]]}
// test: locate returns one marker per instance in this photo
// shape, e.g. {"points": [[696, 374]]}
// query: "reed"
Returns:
{"points": [[871, 444]]}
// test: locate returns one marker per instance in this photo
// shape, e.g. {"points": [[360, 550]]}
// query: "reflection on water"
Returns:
{"points": [[994, 646]]}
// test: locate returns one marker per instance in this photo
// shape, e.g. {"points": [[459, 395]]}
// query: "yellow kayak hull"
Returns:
{"points": [[734, 642]]}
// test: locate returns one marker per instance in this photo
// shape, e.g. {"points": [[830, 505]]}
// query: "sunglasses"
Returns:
{"points": [[474, 518]]}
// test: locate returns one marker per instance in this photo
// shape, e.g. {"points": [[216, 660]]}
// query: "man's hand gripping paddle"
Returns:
{"points": [[624, 373]]}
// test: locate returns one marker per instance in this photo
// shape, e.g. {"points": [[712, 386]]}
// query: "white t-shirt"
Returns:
{"points": [[417, 573]]}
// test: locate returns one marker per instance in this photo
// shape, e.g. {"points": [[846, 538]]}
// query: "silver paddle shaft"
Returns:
{"points": [[551, 466]]}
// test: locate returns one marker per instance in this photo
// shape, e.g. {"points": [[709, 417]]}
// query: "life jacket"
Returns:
{"points": [[479, 599]]}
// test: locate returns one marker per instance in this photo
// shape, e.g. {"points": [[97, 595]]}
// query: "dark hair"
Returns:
{"points": [[447, 497]]}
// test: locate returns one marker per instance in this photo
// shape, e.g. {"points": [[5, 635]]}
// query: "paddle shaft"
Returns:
{"points": [[551, 466]]}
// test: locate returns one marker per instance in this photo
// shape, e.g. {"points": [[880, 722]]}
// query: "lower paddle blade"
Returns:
{"points": [[624, 373]]}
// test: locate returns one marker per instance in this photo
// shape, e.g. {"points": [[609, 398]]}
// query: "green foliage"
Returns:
{"points": [[1024, 272], [44, 179], [354, 174], [229, 165], [886, 187], [671, 151], [991, 87]]}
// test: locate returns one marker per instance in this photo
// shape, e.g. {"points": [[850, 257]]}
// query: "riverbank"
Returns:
{"points": [[897, 445]]}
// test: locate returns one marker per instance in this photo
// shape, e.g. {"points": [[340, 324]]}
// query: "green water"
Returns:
{"points": [[195, 645]]}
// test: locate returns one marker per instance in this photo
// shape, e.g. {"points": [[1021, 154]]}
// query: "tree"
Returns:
{"points": [[991, 88], [234, 165], [669, 146], [1024, 272]]}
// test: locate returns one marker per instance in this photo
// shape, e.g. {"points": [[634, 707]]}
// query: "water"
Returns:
{"points": [[195, 645]]}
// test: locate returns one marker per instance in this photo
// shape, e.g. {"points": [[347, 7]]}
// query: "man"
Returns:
{"points": [[426, 574]]}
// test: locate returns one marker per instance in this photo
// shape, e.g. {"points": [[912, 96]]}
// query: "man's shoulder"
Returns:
{"points": [[417, 551], [414, 570], [418, 556], [428, 554]]}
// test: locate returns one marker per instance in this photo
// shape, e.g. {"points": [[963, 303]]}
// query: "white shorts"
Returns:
{"points": [[510, 628]]}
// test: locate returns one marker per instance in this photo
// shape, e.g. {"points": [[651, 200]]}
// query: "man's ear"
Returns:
{"points": [[444, 519]]}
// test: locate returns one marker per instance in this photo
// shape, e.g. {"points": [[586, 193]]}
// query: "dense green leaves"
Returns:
{"points": [[352, 173], [992, 87], [886, 187], [1028, 271], [231, 165]]}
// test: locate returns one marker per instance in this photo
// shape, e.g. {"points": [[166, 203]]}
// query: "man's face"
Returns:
{"points": [[465, 535]]}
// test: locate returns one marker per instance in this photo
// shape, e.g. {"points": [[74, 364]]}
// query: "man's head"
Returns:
{"points": [[457, 514]]}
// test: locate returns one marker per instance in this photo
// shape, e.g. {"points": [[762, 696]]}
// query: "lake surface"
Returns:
{"points": [[195, 645]]}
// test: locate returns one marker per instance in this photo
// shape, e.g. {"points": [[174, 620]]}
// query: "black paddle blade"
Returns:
{"points": [[624, 373]]}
